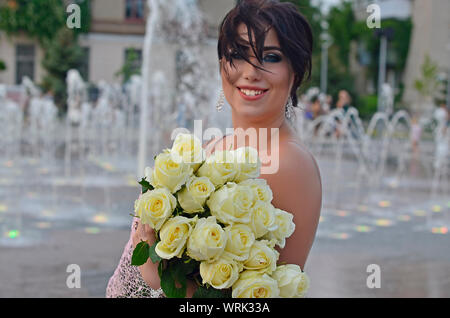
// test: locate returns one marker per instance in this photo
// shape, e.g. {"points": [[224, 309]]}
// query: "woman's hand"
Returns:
{"points": [[149, 271], [143, 233]]}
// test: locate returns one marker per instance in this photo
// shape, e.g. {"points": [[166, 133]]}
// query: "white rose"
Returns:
{"points": [[232, 203], [285, 227], [252, 284], [193, 197], [174, 234], [292, 282], [168, 173], [188, 148], [263, 218], [249, 163], [260, 188], [262, 257], [220, 167], [207, 241], [220, 274], [155, 206], [240, 240]]}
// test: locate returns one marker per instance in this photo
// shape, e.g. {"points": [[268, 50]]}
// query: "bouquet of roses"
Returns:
{"points": [[215, 224]]}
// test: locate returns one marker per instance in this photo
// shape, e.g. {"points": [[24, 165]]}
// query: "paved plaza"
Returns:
{"points": [[49, 222]]}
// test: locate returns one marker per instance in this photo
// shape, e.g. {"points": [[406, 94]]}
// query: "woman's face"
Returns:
{"points": [[255, 93]]}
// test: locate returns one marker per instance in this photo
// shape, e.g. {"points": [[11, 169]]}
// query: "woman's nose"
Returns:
{"points": [[250, 72]]}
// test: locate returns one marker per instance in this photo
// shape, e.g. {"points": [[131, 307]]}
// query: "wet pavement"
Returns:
{"points": [[48, 222]]}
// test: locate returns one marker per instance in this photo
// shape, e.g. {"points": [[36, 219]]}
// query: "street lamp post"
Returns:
{"points": [[326, 43], [384, 35]]}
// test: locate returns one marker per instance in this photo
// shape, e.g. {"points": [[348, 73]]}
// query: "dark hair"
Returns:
{"points": [[292, 28]]}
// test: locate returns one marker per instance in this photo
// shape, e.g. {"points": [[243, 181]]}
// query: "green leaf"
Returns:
{"points": [[209, 292], [174, 277], [160, 269], [170, 279], [140, 254], [153, 256], [145, 185]]}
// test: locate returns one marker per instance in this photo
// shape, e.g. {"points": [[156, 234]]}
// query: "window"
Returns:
{"points": [[24, 62], [134, 9]]}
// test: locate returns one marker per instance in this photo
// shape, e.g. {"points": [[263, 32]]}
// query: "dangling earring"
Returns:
{"points": [[221, 101], [289, 111]]}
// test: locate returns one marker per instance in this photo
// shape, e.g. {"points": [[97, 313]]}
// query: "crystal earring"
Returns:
{"points": [[289, 108], [221, 101]]}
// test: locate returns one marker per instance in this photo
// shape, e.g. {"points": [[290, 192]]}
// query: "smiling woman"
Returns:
{"points": [[264, 52]]}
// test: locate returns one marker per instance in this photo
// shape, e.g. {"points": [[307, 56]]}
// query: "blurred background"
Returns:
{"points": [[90, 90]]}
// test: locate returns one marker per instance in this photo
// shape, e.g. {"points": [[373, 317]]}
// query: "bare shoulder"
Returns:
{"points": [[298, 170], [297, 185], [297, 189]]}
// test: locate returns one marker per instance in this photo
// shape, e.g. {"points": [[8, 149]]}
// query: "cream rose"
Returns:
{"points": [[240, 240], [252, 284], [292, 282], [192, 198], [262, 257], [207, 241], [232, 203], [249, 163], [188, 148], [220, 274], [155, 206], [285, 227], [174, 234], [260, 188], [220, 167], [263, 218], [168, 173]]}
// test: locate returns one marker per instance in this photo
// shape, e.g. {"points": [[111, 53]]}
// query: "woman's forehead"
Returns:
{"points": [[270, 40]]}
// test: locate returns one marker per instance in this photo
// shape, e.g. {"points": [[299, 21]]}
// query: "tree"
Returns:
{"points": [[2, 66], [46, 22], [130, 67], [62, 54]]}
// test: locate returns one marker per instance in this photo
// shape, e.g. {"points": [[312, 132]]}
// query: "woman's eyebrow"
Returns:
{"points": [[266, 48]]}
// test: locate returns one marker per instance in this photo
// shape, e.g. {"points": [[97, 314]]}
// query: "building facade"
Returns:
{"points": [[117, 27]]}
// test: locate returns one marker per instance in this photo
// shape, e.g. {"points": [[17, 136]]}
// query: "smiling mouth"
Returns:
{"points": [[251, 92]]}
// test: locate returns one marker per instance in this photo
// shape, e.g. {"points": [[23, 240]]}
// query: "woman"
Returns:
{"points": [[264, 53]]}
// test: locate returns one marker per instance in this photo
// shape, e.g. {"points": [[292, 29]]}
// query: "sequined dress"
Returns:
{"points": [[127, 281]]}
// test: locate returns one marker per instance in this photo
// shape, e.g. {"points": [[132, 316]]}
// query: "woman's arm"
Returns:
{"points": [[297, 189]]}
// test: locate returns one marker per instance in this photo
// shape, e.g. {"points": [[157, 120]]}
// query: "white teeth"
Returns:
{"points": [[250, 92]]}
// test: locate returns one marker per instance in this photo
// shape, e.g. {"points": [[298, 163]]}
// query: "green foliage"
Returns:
{"points": [[141, 254], [46, 22], [129, 67], [398, 46], [145, 185], [428, 84], [367, 106], [174, 277], [62, 54], [2, 66]]}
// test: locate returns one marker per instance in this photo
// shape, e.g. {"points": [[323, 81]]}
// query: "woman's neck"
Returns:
{"points": [[265, 131]]}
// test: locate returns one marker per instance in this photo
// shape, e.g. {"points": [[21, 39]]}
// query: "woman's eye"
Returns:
{"points": [[272, 58]]}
